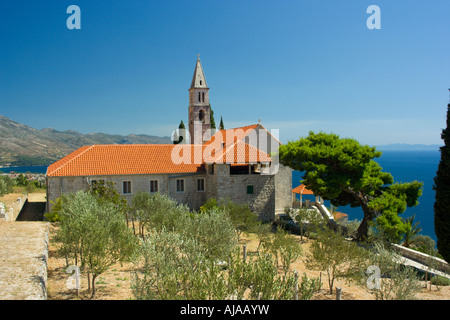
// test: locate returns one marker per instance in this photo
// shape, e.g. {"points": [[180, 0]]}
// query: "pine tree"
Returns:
{"points": [[442, 188], [211, 118], [179, 138], [221, 127]]}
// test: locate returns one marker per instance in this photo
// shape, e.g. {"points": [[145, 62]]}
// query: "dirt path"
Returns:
{"points": [[23, 260]]}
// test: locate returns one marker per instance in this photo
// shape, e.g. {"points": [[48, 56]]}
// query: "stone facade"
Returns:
{"points": [[167, 184], [265, 194]]}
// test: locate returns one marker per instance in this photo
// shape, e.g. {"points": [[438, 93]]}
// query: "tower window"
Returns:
{"points": [[200, 82], [199, 97], [203, 97], [201, 115]]}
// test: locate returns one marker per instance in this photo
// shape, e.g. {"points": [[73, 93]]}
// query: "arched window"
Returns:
{"points": [[199, 97], [201, 115], [203, 97]]}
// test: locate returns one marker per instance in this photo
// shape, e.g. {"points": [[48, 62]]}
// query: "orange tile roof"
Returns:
{"points": [[301, 189], [126, 159], [230, 136], [236, 153], [102, 160]]}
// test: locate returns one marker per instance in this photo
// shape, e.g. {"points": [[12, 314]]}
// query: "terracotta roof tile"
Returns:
{"points": [[102, 160], [237, 153], [301, 189], [123, 159]]}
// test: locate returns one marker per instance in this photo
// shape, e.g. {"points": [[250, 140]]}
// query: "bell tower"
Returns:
{"points": [[199, 107]]}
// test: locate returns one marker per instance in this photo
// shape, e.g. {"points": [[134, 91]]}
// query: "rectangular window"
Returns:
{"points": [[154, 186], [180, 185], [126, 187], [250, 189], [200, 184]]}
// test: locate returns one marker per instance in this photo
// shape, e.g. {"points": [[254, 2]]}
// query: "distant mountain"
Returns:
{"points": [[21, 145], [409, 147]]}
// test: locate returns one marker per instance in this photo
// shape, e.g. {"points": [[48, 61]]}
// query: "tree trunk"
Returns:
{"points": [[93, 286], [369, 215]]}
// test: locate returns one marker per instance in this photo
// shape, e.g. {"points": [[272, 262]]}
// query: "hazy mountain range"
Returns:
{"points": [[21, 145]]}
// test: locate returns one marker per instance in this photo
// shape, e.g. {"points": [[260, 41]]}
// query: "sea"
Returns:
{"points": [[405, 166], [30, 169]]}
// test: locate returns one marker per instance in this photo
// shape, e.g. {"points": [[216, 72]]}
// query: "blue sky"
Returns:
{"points": [[296, 65]]}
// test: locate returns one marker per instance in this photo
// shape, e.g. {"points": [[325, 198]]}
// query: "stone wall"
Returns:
{"points": [[223, 185], [271, 193], [423, 258], [56, 186], [283, 189], [10, 213]]}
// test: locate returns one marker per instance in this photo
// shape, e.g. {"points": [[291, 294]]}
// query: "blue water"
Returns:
{"points": [[405, 166], [31, 169]]}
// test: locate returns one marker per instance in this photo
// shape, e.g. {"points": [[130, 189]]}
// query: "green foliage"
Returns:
{"points": [[343, 171], [211, 203], [3, 188], [442, 196], [440, 281], [21, 180], [424, 244], [157, 211], [412, 232], [93, 234], [309, 220], [338, 256], [6, 185], [172, 266], [308, 287], [214, 232], [221, 126], [211, 118], [396, 281], [54, 215], [241, 216], [283, 245]]}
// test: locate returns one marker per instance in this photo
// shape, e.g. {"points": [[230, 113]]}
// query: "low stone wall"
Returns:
{"points": [[10, 213], [423, 258]]}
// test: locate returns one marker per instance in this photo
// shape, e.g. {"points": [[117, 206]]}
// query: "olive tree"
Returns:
{"points": [[94, 234], [336, 255]]}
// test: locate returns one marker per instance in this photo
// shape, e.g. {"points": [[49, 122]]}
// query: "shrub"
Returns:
{"points": [[394, 281], [440, 281], [333, 253]]}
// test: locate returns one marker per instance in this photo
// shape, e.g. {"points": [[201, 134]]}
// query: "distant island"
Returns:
{"points": [[409, 147]]}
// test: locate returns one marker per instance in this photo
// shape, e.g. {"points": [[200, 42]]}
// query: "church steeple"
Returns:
{"points": [[199, 107], [198, 80]]}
